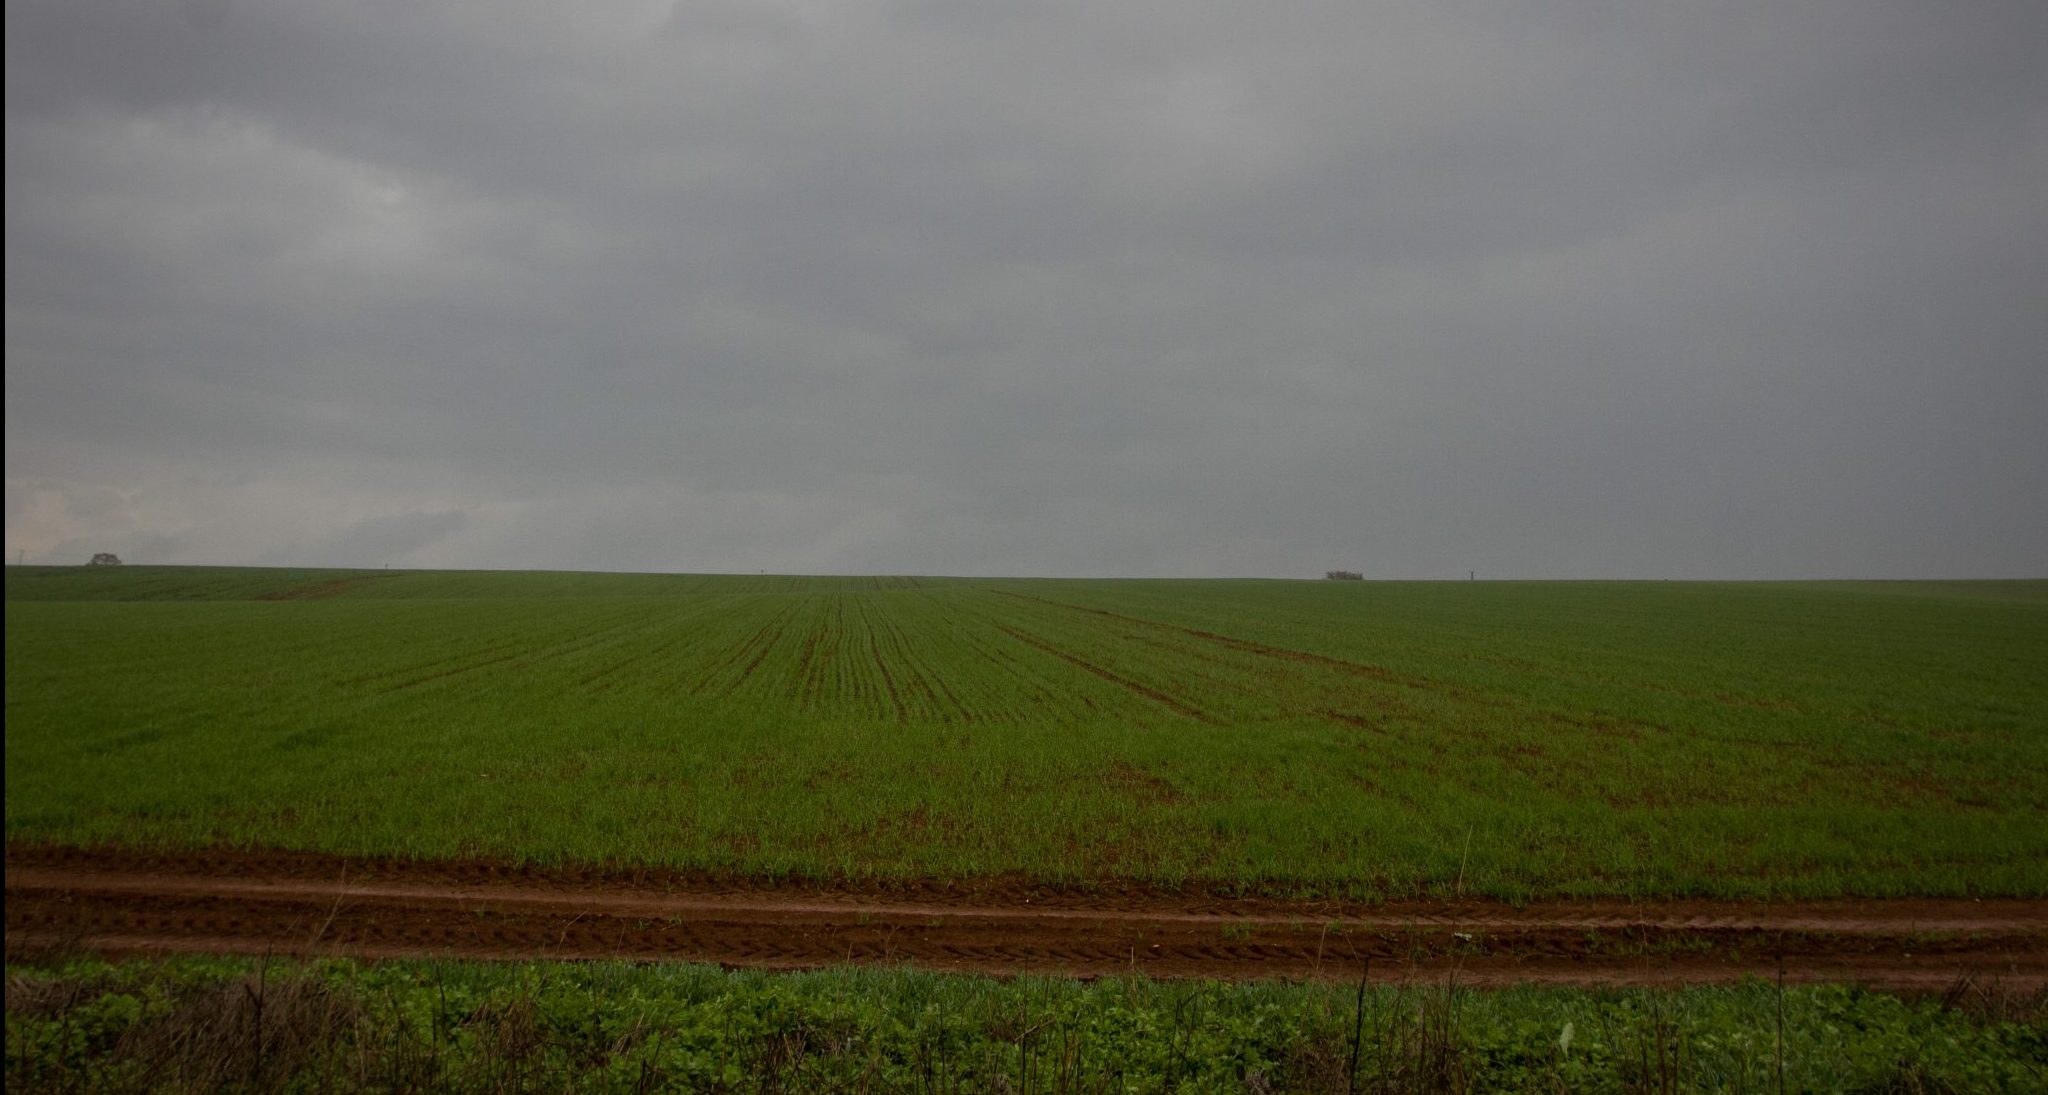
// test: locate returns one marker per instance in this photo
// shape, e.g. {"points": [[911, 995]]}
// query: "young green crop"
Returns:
{"points": [[1508, 739], [204, 1024]]}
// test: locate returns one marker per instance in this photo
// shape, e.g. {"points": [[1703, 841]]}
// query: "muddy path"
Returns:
{"points": [[61, 899]]}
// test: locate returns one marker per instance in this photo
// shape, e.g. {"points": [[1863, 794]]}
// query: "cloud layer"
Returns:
{"points": [[1755, 291]]}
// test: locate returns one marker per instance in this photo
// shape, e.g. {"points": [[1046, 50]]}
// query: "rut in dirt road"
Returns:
{"points": [[257, 902]]}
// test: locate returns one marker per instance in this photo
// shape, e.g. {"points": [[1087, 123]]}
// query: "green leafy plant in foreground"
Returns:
{"points": [[260, 1025]]}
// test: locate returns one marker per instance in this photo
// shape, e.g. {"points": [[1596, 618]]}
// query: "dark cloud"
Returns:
{"points": [[1412, 288]]}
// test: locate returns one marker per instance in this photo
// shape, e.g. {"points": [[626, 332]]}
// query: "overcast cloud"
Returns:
{"points": [[1182, 289]]}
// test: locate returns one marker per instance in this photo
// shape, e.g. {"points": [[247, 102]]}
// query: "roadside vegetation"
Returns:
{"points": [[250, 1024], [1361, 739]]}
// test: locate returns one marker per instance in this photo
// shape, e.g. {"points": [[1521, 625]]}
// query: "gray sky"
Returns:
{"points": [[1179, 289]]}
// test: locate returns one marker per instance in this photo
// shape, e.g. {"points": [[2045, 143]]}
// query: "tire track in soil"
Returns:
{"points": [[1248, 646], [1380, 701], [926, 683], [1014, 671], [321, 590], [526, 652], [1129, 685], [894, 693], [401, 671], [604, 680], [281, 902], [1602, 724], [758, 645], [807, 682]]}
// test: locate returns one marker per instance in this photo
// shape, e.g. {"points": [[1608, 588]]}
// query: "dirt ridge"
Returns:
{"points": [[293, 902]]}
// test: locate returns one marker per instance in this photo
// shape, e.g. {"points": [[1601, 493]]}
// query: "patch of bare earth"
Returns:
{"points": [[125, 901], [321, 590]]}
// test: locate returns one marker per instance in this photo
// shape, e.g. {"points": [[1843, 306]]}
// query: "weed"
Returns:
{"points": [[256, 1025]]}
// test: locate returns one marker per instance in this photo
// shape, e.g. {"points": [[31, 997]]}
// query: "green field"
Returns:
{"points": [[248, 1024], [1363, 738]]}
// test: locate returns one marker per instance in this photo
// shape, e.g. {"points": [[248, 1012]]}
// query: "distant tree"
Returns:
{"points": [[1343, 576], [105, 559]]}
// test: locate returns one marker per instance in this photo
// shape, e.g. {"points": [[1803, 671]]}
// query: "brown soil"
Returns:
{"points": [[288, 902], [321, 590]]}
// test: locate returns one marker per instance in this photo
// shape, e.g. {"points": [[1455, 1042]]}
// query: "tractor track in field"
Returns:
{"points": [[62, 899], [1245, 645], [1600, 723], [1178, 707]]}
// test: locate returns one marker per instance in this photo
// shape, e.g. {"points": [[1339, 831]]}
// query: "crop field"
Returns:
{"points": [[243, 806], [1347, 739]]}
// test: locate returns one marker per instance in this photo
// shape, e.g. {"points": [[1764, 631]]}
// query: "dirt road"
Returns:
{"points": [[263, 902]]}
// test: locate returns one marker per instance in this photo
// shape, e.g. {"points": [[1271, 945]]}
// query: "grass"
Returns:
{"points": [[1363, 738], [206, 1024]]}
